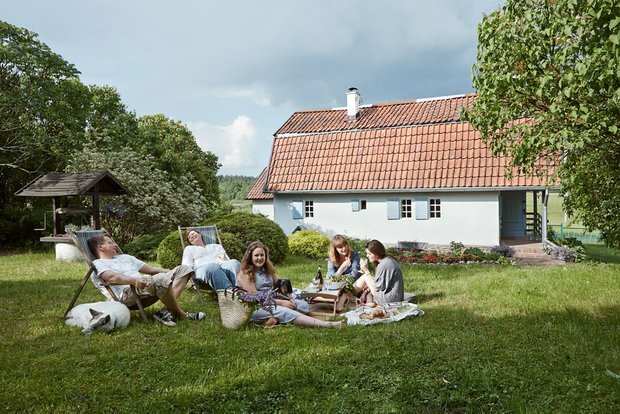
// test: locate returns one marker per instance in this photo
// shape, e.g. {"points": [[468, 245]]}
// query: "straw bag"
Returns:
{"points": [[234, 313]]}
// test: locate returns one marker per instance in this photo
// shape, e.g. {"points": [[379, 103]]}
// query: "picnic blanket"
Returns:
{"points": [[394, 311]]}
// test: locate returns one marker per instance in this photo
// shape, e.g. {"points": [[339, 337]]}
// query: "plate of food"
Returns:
{"points": [[334, 285]]}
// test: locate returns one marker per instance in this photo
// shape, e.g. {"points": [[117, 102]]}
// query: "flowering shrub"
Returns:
{"points": [[430, 258], [264, 299], [503, 249]]}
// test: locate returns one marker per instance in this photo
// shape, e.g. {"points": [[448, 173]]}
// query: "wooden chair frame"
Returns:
{"points": [[80, 239]]}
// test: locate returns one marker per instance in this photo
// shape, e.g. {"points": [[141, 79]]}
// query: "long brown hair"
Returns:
{"points": [[248, 268], [377, 248], [334, 256]]}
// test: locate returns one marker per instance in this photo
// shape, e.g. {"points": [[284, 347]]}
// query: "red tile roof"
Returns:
{"points": [[399, 146], [427, 111], [256, 191]]}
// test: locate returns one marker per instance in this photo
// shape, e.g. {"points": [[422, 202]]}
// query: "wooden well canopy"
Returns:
{"points": [[56, 185]]}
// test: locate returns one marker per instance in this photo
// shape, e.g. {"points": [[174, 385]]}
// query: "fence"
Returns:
{"points": [[579, 233]]}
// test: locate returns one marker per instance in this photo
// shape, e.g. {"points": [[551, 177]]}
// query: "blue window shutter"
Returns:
{"points": [[393, 208], [298, 207], [355, 205], [421, 208]]}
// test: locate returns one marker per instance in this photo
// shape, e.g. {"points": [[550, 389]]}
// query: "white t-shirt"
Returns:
{"points": [[122, 263], [196, 256]]}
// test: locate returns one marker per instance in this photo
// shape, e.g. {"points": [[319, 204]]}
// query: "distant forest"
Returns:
{"points": [[233, 189]]}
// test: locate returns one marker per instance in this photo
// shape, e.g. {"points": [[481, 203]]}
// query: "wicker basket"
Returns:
{"points": [[234, 314]]}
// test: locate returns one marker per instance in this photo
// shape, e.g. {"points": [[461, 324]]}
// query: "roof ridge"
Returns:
{"points": [[392, 103]]}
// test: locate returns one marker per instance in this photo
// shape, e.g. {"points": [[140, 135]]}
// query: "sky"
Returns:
{"points": [[233, 72]]}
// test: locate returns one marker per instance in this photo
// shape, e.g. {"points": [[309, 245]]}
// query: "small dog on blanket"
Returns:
{"points": [[99, 316]]}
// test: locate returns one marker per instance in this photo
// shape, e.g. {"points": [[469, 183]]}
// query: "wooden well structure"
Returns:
{"points": [[56, 185]]}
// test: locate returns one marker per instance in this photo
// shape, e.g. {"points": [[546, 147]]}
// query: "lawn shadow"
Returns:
{"points": [[427, 297]]}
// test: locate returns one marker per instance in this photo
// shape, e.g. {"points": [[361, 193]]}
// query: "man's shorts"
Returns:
{"points": [[158, 284]]}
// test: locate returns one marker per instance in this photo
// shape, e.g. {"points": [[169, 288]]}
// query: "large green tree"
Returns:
{"points": [[43, 108], [557, 64], [174, 147]]}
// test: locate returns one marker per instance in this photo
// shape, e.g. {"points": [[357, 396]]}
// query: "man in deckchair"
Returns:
{"points": [[123, 270]]}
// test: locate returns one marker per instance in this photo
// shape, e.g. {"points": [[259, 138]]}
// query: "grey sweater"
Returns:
{"points": [[389, 281]]}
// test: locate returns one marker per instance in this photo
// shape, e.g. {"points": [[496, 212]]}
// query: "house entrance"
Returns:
{"points": [[513, 214]]}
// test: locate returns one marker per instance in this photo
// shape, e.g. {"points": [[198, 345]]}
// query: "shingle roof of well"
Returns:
{"points": [[256, 191], [56, 184], [400, 146]]}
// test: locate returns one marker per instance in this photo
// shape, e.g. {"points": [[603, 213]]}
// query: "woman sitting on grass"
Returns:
{"points": [[342, 260], [386, 286], [257, 273]]}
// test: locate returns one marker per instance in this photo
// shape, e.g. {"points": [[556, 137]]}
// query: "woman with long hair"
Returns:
{"points": [[342, 260], [387, 284], [257, 273]]}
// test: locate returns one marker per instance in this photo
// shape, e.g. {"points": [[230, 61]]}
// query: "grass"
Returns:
{"points": [[494, 339]]}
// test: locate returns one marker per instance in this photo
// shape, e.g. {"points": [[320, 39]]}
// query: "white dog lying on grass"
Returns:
{"points": [[99, 316]]}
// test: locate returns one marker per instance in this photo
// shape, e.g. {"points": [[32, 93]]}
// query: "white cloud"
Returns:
{"points": [[233, 144], [256, 94]]}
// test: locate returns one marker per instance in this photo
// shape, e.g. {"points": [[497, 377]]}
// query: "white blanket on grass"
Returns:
{"points": [[396, 311]]}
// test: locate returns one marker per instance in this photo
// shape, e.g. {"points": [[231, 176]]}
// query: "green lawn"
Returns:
{"points": [[494, 339]]}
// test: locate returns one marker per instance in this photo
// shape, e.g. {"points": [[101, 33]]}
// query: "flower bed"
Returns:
{"points": [[458, 255]]}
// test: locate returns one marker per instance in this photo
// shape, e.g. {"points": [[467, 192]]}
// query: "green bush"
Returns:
{"points": [[169, 252], [145, 246], [233, 246], [474, 251], [358, 245], [309, 243], [249, 227]]}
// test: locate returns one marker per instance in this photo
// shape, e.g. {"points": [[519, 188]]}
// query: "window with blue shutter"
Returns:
{"points": [[393, 208], [297, 208], [421, 208]]}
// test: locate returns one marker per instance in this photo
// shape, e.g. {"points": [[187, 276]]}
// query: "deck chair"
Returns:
{"points": [[80, 239], [210, 235]]}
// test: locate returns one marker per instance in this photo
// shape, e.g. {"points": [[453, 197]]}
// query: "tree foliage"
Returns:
{"points": [[158, 199], [557, 64], [176, 151], [43, 108], [234, 187], [49, 119]]}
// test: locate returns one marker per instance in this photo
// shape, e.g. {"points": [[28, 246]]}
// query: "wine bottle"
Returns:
{"points": [[319, 276]]}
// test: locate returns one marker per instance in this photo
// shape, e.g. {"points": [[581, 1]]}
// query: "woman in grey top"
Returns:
{"points": [[387, 285], [257, 273]]}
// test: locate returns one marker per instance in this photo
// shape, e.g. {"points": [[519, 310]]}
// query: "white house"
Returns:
{"points": [[402, 171]]}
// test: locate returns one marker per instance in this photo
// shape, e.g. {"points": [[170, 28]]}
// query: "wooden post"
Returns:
{"points": [[57, 227], [96, 216], [535, 204]]}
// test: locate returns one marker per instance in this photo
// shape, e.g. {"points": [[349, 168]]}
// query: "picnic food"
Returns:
{"points": [[377, 313]]}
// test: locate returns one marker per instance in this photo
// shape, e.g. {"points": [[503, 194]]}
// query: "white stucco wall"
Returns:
{"points": [[471, 218], [264, 207]]}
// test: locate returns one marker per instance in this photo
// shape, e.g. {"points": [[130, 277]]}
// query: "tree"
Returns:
{"points": [[43, 108], [176, 151], [158, 200], [555, 63]]}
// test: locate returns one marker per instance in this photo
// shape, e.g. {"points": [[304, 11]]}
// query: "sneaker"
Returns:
{"points": [[165, 318], [195, 316]]}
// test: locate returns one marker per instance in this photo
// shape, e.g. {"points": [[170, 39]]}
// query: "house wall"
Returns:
{"points": [[264, 207], [471, 218]]}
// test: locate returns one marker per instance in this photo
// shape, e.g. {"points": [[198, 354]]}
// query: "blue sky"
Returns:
{"points": [[234, 71]]}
